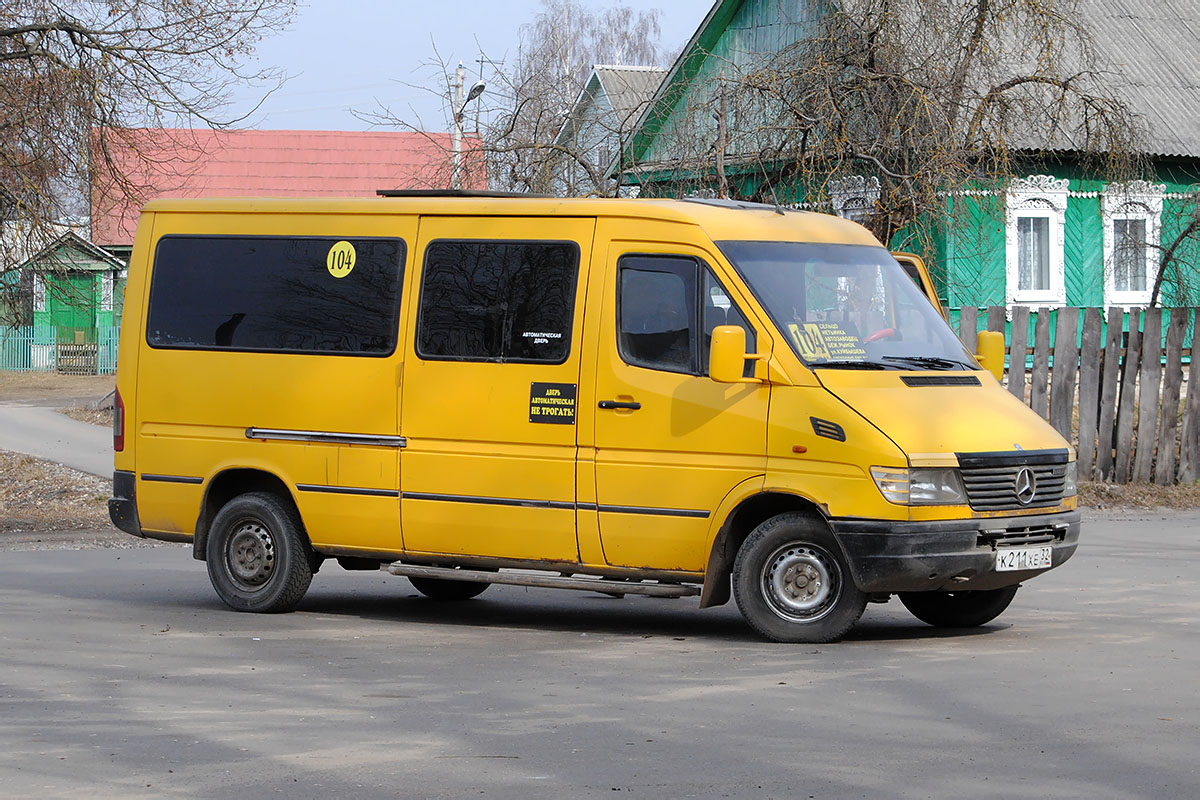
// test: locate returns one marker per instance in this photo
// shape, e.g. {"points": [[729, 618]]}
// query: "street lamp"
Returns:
{"points": [[460, 106]]}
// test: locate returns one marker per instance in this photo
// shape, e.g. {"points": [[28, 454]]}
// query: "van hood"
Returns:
{"points": [[931, 415]]}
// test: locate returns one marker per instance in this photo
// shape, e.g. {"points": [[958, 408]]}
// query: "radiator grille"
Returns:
{"points": [[1005, 482]]}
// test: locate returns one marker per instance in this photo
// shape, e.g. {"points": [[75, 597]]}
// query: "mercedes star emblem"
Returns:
{"points": [[1025, 486]]}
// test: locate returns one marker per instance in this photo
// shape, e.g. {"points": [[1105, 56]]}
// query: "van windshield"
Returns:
{"points": [[845, 306]]}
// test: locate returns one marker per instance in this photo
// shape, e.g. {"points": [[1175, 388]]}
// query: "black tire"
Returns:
{"points": [[792, 583], [958, 609], [258, 558], [447, 591]]}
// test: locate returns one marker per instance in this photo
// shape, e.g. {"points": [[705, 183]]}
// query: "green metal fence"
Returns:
{"points": [[48, 349]]}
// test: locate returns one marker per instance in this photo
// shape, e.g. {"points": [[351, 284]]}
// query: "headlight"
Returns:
{"points": [[919, 487], [1070, 483]]}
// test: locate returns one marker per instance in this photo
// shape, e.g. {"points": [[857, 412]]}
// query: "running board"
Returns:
{"points": [[546, 581]]}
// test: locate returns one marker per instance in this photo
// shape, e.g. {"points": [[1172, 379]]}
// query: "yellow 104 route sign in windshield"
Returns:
{"points": [[826, 341]]}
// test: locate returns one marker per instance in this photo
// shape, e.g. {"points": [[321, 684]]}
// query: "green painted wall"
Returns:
{"points": [[974, 249], [974, 255]]}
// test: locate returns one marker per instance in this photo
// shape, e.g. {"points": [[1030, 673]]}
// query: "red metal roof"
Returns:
{"points": [[205, 163]]}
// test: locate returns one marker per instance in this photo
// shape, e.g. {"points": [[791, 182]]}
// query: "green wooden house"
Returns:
{"points": [[71, 285], [1058, 234], [63, 307]]}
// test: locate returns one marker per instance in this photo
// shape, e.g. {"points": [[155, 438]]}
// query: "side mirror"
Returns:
{"points": [[727, 355], [991, 353]]}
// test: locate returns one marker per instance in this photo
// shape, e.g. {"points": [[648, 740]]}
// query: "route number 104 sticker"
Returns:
{"points": [[341, 259]]}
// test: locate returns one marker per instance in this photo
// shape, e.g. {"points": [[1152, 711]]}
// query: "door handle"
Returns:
{"points": [[632, 406]]}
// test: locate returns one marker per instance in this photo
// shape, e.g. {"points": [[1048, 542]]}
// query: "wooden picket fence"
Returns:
{"points": [[1123, 387]]}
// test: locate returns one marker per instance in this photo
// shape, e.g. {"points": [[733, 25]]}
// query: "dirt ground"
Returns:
{"points": [[52, 388]]}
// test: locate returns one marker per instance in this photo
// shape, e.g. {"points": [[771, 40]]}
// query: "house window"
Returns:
{"points": [[1034, 231], [1033, 254], [106, 291], [1129, 255], [1131, 214], [854, 198], [39, 293]]}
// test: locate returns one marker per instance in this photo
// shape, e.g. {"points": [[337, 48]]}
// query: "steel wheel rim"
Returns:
{"points": [[251, 554], [801, 582]]}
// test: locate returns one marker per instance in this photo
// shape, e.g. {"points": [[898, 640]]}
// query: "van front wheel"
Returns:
{"points": [[792, 583], [958, 609], [257, 557]]}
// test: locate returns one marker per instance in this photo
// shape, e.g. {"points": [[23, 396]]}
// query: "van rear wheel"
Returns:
{"points": [[958, 609], [258, 559], [793, 584]]}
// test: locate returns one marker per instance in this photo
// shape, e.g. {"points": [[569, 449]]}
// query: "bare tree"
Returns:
{"points": [[75, 76], [1179, 262], [531, 94], [925, 99]]}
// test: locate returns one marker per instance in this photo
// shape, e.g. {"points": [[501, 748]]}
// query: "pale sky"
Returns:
{"points": [[353, 53]]}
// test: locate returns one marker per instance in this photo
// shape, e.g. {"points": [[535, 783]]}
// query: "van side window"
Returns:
{"points": [[656, 312], [281, 294], [497, 301], [666, 319]]}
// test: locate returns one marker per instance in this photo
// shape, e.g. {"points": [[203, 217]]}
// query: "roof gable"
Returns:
{"points": [[612, 95], [71, 252]]}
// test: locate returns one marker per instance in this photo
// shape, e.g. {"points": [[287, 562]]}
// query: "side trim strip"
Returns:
{"points": [[170, 479], [315, 487], [657, 512], [281, 434], [488, 501], [505, 501]]}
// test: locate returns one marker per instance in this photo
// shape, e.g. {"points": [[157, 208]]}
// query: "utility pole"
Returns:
{"points": [[460, 105], [456, 136]]}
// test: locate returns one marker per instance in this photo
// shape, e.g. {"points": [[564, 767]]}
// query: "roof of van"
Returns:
{"points": [[720, 220]]}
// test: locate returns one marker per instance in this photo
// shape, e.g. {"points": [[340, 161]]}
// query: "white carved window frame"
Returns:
{"points": [[854, 198], [1137, 200], [39, 292], [1037, 196], [106, 291]]}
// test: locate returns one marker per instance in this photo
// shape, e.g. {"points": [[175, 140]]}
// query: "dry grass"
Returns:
{"points": [[28, 387], [1184, 497], [92, 416], [41, 496]]}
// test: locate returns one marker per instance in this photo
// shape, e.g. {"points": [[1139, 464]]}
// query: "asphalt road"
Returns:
{"points": [[43, 432], [122, 675]]}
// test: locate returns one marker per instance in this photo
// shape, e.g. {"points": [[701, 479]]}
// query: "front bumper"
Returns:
{"points": [[957, 555]]}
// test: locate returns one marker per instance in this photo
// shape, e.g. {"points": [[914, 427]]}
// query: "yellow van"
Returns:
{"points": [[652, 397]]}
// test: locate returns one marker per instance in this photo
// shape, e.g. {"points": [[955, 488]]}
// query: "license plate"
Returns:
{"points": [[1019, 558]]}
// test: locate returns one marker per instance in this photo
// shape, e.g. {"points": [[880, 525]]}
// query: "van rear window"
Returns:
{"points": [[276, 294], [497, 301]]}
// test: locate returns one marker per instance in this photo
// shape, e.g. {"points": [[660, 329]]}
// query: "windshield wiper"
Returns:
{"points": [[852, 365], [933, 362]]}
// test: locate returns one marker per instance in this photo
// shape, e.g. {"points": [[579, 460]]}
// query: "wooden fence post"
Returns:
{"points": [[1125, 409], [1066, 365], [1164, 468], [968, 327], [1111, 379], [1189, 435], [996, 317], [1041, 363], [1149, 379], [1089, 391], [1016, 357]]}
